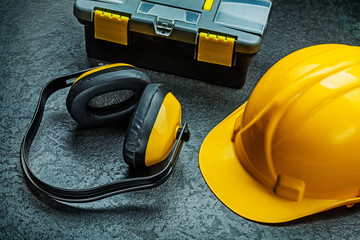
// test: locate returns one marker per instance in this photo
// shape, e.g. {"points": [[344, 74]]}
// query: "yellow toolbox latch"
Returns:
{"points": [[208, 4], [214, 48], [111, 27]]}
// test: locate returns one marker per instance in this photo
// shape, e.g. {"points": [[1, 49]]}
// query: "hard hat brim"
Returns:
{"points": [[238, 190]]}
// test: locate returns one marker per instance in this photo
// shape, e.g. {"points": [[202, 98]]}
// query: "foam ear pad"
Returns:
{"points": [[142, 123], [102, 82]]}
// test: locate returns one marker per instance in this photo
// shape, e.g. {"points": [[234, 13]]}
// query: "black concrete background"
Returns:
{"points": [[41, 40]]}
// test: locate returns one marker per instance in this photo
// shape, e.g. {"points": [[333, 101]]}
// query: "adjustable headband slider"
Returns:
{"points": [[185, 134]]}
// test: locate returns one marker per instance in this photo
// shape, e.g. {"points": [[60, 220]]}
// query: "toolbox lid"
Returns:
{"points": [[242, 20]]}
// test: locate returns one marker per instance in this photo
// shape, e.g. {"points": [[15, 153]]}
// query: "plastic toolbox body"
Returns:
{"points": [[209, 40]]}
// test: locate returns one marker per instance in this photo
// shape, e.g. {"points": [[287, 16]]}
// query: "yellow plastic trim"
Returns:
{"points": [[163, 134], [102, 68], [215, 49], [111, 27], [208, 4]]}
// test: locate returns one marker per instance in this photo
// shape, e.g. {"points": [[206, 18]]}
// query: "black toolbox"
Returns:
{"points": [[209, 40]]}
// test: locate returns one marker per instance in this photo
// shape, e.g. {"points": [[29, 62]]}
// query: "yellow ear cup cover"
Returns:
{"points": [[150, 126], [163, 134], [106, 80]]}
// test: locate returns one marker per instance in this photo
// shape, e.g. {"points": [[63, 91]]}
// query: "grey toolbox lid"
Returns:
{"points": [[243, 20]]}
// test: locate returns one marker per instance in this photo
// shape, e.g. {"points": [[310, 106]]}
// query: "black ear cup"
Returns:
{"points": [[83, 96], [141, 125]]}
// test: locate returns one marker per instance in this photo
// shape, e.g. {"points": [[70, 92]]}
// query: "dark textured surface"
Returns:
{"points": [[42, 39]]}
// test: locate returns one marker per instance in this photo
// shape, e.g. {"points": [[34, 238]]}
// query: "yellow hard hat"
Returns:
{"points": [[294, 148]]}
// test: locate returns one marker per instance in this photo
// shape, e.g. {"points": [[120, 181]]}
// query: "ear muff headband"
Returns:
{"points": [[96, 193]]}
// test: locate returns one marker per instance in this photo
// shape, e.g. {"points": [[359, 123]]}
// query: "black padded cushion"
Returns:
{"points": [[142, 123], [102, 82]]}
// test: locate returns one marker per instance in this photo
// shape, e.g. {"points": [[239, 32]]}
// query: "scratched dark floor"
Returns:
{"points": [[41, 39]]}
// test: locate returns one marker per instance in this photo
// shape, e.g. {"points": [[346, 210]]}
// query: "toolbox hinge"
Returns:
{"points": [[111, 27], [215, 48]]}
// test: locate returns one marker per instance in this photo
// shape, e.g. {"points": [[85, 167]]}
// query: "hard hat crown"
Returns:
{"points": [[300, 132]]}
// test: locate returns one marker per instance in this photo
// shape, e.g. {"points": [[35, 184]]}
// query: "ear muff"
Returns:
{"points": [[152, 135], [122, 79], [152, 131]]}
